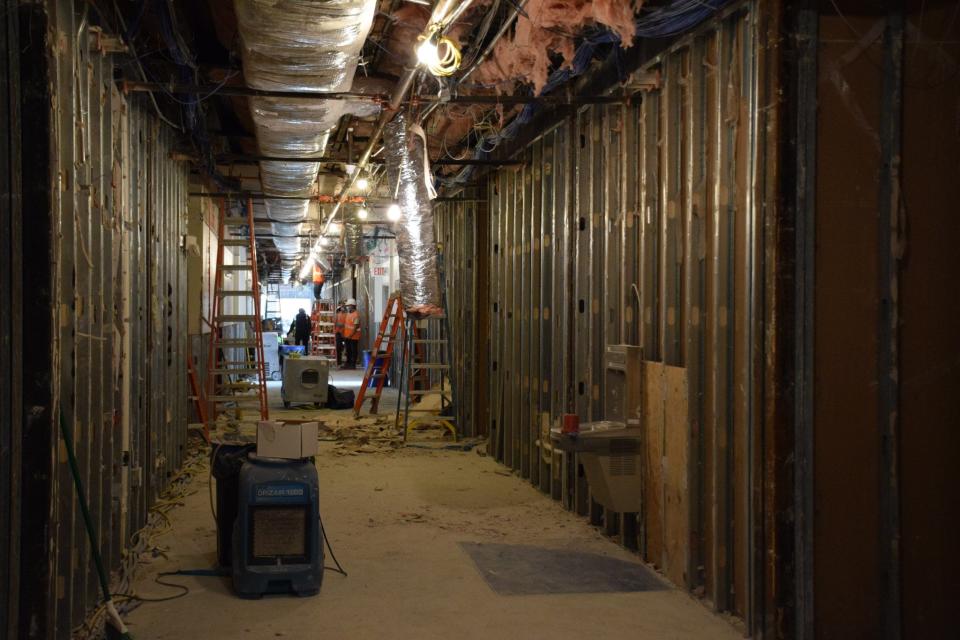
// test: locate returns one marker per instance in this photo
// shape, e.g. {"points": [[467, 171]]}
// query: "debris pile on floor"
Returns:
{"points": [[353, 436]]}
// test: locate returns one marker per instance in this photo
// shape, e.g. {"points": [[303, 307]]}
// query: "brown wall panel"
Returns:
{"points": [[846, 434], [930, 317]]}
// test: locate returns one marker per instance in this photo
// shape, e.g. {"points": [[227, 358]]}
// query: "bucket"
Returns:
{"points": [[378, 368]]}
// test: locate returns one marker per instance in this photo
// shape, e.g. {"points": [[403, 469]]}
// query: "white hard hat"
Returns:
{"points": [[352, 302]]}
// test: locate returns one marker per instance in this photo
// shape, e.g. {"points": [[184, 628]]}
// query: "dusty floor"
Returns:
{"points": [[395, 521]]}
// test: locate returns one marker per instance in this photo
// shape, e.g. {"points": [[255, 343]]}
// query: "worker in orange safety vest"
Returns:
{"points": [[351, 333], [318, 280], [338, 323]]}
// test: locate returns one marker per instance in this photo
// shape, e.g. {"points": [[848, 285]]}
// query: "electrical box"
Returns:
{"points": [[623, 384]]}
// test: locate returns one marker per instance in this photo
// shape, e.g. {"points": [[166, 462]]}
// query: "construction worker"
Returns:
{"points": [[338, 323], [351, 333], [318, 280], [302, 327]]}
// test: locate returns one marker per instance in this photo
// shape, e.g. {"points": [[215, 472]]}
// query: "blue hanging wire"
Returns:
{"points": [[195, 123]]}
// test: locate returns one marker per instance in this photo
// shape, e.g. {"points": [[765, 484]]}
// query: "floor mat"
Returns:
{"points": [[527, 570]]}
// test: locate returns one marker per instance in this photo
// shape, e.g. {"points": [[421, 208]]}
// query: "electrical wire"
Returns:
{"points": [[446, 56], [661, 21], [145, 544], [339, 569], [136, 59]]}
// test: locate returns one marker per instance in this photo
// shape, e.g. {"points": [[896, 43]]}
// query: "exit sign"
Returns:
{"points": [[379, 271]]}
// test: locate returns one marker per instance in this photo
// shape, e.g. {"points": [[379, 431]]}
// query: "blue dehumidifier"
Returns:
{"points": [[277, 545]]}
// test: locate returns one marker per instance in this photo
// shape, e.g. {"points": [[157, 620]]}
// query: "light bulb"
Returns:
{"points": [[427, 53], [362, 213], [393, 212], [334, 228], [363, 184]]}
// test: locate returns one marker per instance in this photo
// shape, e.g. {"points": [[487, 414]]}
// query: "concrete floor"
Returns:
{"points": [[395, 522]]}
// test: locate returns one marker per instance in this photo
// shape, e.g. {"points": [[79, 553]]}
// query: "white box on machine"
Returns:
{"points": [[286, 440]]}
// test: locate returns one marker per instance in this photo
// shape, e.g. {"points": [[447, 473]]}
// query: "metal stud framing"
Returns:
{"points": [[115, 274], [639, 224]]}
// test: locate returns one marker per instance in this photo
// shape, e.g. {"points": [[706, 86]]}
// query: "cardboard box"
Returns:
{"points": [[282, 440]]}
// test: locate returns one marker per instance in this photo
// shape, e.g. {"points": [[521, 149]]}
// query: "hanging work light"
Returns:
{"points": [[393, 212]]}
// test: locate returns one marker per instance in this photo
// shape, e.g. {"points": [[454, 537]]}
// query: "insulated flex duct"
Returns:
{"points": [[299, 45], [353, 240], [302, 45], [419, 281]]}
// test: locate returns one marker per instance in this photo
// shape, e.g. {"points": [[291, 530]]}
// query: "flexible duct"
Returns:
{"points": [[353, 240], [299, 45], [419, 281]]}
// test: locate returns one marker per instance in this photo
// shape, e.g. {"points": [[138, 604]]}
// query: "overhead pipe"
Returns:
{"points": [[377, 98]]}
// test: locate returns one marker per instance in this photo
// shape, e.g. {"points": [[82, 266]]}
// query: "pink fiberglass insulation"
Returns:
{"points": [[549, 28]]}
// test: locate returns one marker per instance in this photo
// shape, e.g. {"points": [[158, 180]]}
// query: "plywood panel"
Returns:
{"points": [[653, 460], [676, 456]]}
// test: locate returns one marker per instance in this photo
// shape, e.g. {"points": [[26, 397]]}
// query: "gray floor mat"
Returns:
{"points": [[527, 570]]}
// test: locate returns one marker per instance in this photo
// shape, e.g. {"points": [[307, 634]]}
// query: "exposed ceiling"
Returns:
{"points": [[332, 46]]}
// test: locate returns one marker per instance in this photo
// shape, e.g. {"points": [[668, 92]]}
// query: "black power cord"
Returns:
{"points": [[326, 541]]}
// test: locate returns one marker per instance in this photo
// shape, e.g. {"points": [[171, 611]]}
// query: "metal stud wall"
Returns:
{"points": [[109, 283], [641, 224], [462, 233]]}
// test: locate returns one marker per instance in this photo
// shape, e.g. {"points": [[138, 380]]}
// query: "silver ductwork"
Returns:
{"points": [[353, 240], [416, 245], [299, 45]]}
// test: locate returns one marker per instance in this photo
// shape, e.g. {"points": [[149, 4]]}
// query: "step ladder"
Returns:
{"points": [[383, 348], [426, 368], [271, 306], [323, 340], [236, 374]]}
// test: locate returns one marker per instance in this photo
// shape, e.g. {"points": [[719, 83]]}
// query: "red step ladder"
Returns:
{"points": [[390, 326]]}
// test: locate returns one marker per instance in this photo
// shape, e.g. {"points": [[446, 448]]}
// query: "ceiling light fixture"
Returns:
{"points": [[363, 184], [439, 54], [393, 212], [362, 213]]}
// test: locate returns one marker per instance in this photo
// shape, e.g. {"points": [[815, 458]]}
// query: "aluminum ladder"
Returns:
{"points": [[426, 360]]}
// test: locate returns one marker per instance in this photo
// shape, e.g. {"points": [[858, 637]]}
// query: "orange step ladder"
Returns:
{"points": [[383, 346], [236, 364]]}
